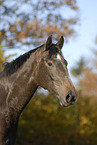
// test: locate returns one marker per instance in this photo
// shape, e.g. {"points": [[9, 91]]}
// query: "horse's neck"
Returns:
{"points": [[15, 92], [20, 87]]}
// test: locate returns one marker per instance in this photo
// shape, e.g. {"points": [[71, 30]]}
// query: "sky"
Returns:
{"points": [[86, 33]]}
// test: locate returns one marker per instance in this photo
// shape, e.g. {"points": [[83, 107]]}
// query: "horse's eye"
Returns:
{"points": [[49, 63]]}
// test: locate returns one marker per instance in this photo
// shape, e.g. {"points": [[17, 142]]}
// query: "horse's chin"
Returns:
{"points": [[64, 104]]}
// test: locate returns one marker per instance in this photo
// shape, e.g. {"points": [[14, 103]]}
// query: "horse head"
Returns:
{"points": [[53, 74]]}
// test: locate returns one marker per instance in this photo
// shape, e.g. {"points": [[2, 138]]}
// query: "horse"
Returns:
{"points": [[43, 66]]}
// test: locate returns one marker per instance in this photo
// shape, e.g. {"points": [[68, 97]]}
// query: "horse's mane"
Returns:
{"points": [[15, 64]]}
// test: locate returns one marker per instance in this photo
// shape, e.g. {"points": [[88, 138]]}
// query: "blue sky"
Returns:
{"points": [[87, 31]]}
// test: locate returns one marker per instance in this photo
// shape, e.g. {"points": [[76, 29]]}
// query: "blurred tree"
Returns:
{"points": [[88, 83], [29, 22]]}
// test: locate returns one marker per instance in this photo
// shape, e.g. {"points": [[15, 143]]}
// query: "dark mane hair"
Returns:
{"points": [[15, 64]]}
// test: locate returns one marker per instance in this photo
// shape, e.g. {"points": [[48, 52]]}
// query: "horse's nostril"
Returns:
{"points": [[70, 98], [73, 99]]}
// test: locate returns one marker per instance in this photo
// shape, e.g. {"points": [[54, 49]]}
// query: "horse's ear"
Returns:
{"points": [[60, 42], [48, 42]]}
